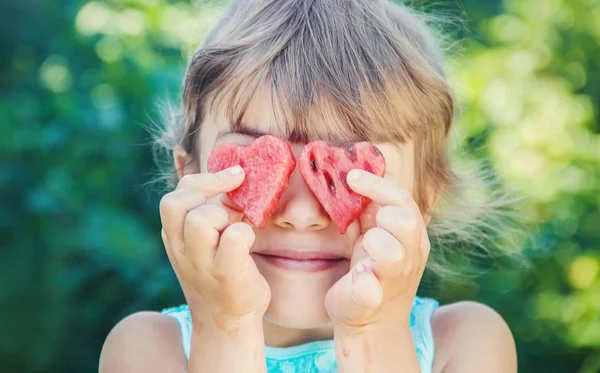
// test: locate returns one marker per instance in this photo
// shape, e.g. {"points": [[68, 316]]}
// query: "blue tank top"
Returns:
{"points": [[319, 356]]}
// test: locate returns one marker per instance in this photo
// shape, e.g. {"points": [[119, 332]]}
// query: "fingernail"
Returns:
{"points": [[235, 170], [354, 175], [359, 268]]}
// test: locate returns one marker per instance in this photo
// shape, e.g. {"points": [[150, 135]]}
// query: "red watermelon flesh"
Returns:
{"points": [[268, 164], [324, 168]]}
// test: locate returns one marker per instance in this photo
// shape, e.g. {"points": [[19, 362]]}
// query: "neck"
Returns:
{"points": [[280, 336]]}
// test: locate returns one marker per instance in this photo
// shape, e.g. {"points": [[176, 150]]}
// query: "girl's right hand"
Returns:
{"points": [[209, 249]]}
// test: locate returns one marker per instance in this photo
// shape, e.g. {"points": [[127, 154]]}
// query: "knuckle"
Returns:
{"points": [[397, 218], [207, 220], [408, 219], [186, 181], [180, 200], [370, 236], [168, 203], [378, 184], [199, 217], [388, 214], [240, 231], [378, 234], [375, 237], [401, 195], [384, 246], [426, 247]]}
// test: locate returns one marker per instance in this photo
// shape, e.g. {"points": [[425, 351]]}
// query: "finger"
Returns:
{"points": [[403, 225], [358, 252], [367, 217], [354, 295], [367, 292], [381, 245], [214, 184], [379, 190], [174, 207], [174, 255], [386, 252], [176, 258], [425, 243], [233, 254], [385, 192], [234, 212], [201, 232]]}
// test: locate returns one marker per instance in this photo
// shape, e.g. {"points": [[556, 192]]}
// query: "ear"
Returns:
{"points": [[183, 162]]}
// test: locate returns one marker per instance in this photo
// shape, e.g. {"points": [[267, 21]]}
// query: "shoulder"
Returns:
{"points": [[143, 342], [469, 336]]}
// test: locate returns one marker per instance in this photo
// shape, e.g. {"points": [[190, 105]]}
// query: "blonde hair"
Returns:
{"points": [[372, 70]]}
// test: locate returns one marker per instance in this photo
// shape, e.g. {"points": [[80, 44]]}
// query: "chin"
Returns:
{"points": [[298, 298], [300, 312]]}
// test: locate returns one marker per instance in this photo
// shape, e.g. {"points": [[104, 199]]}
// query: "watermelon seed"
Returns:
{"points": [[330, 182], [313, 164], [376, 150], [352, 153]]}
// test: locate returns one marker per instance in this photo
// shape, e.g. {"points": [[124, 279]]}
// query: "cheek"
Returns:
{"points": [[399, 165], [204, 153], [204, 146], [354, 230], [405, 178], [206, 138]]}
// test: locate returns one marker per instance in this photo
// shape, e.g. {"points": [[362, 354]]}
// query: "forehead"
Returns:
{"points": [[264, 114]]}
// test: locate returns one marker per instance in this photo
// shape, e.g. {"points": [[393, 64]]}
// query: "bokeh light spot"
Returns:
{"points": [[583, 272], [92, 18], [130, 22], [55, 74], [109, 49]]}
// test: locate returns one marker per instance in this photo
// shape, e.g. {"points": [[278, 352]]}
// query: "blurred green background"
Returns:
{"points": [[80, 241]]}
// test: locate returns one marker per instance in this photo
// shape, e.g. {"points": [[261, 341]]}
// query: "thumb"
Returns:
{"points": [[366, 291], [356, 293]]}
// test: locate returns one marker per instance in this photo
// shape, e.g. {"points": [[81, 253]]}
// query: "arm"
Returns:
{"points": [[370, 306], [145, 342], [376, 351], [149, 342], [238, 347], [469, 336]]}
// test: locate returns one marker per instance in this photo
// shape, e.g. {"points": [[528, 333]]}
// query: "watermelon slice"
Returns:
{"points": [[268, 163], [324, 168]]}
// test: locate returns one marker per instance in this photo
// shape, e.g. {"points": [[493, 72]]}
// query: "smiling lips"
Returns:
{"points": [[306, 261]]}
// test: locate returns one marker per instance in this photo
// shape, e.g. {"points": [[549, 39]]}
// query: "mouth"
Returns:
{"points": [[307, 261]]}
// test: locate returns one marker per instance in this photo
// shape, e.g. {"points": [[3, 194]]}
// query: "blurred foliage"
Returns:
{"points": [[80, 231]]}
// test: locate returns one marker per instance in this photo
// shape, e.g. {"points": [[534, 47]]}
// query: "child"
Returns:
{"points": [[298, 296]]}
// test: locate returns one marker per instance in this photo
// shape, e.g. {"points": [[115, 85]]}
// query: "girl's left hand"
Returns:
{"points": [[388, 259]]}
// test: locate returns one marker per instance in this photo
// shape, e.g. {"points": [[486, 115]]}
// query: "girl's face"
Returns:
{"points": [[299, 224]]}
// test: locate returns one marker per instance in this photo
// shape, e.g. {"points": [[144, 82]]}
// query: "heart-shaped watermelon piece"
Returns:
{"points": [[268, 164], [324, 169]]}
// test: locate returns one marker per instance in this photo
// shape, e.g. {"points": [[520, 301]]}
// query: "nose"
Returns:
{"points": [[298, 208]]}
